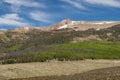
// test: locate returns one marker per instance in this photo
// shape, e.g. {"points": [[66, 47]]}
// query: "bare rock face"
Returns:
{"points": [[23, 29], [82, 25], [62, 23], [66, 21]]}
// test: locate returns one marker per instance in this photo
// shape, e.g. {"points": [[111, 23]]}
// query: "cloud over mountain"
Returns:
{"points": [[48, 12], [74, 3], [40, 16], [12, 19], [111, 3]]}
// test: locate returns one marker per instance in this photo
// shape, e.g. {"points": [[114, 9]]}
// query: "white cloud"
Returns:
{"points": [[12, 19], [16, 4], [75, 3], [111, 3], [26, 3], [40, 16]]}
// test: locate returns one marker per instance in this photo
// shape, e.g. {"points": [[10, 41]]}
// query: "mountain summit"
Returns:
{"points": [[62, 24], [72, 25], [83, 25]]}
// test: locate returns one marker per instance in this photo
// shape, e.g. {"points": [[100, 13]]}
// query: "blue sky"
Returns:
{"points": [[19, 13]]}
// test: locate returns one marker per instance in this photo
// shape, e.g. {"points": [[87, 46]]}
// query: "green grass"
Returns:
{"points": [[92, 49], [12, 48], [71, 51]]}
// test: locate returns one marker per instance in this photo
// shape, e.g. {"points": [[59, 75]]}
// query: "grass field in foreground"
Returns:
{"points": [[70, 51]]}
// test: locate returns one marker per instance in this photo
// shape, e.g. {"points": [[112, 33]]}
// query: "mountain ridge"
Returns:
{"points": [[23, 46], [69, 24]]}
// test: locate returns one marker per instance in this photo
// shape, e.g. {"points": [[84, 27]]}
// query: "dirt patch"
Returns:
{"points": [[99, 74], [54, 68], [81, 39]]}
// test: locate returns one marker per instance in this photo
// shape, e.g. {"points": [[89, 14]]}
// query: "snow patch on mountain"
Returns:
{"points": [[63, 27], [73, 22], [66, 25], [106, 22]]}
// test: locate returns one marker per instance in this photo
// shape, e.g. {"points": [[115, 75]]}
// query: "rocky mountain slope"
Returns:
{"points": [[69, 24], [29, 40], [30, 37], [64, 31], [83, 25]]}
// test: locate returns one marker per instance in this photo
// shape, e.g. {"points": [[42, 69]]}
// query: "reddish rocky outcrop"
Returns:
{"points": [[62, 23]]}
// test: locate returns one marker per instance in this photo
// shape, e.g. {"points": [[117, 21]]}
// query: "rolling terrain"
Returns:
{"points": [[68, 50], [36, 45]]}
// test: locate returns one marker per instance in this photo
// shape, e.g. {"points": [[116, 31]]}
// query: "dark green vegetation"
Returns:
{"points": [[39, 46], [68, 51], [100, 74]]}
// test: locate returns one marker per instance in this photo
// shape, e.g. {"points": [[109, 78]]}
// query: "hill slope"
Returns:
{"points": [[25, 45]]}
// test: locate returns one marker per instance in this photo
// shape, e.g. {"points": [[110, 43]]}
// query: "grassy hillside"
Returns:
{"points": [[32, 46], [69, 51]]}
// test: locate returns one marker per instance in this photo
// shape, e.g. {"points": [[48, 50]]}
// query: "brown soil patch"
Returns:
{"points": [[53, 68], [99, 74]]}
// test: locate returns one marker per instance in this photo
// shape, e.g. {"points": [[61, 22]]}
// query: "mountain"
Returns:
{"points": [[27, 42], [72, 25], [71, 31], [83, 25], [61, 25]]}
